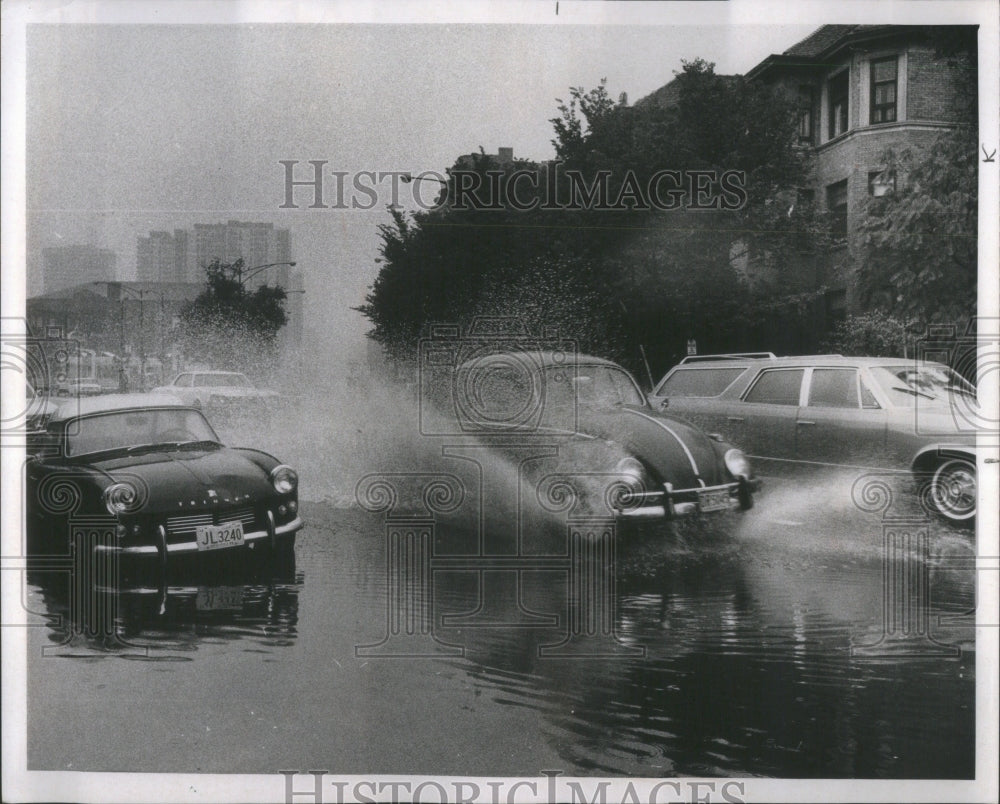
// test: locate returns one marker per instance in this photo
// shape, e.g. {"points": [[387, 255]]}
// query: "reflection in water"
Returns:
{"points": [[747, 666], [714, 655], [256, 602]]}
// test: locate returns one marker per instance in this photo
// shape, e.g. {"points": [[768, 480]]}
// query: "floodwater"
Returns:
{"points": [[806, 639]]}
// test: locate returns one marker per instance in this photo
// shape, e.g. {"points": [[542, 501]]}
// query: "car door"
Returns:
{"points": [[763, 422], [841, 422]]}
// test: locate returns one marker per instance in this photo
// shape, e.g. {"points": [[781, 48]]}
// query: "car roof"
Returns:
{"points": [[212, 371], [796, 361], [109, 403], [543, 358]]}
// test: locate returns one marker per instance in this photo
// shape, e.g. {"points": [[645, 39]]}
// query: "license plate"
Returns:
{"points": [[219, 537], [713, 500], [215, 598]]}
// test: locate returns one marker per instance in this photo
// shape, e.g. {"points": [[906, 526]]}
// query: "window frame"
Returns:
{"points": [[771, 370], [658, 391], [874, 107], [842, 231], [833, 129], [807, 102], [808, 386]]}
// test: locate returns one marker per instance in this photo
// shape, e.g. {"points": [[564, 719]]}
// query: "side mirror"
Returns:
{"points": [[663, 404]]}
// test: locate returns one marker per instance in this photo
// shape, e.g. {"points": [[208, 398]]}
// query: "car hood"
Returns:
{"points": [[175, 479], [678, 452]]}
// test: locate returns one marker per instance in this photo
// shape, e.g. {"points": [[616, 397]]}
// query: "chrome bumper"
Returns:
{"points": [[192, 547], [670, 503]]}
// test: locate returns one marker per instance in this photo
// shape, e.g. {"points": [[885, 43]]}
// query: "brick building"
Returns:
{"points": [[864, 91]]}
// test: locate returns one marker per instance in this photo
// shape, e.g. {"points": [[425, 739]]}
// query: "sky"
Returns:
{"points": [[132, 128]]}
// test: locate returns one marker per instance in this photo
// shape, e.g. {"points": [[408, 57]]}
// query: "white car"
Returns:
{"points": [[222, 391]]}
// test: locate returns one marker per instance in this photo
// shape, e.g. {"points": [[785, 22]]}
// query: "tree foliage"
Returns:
{"points": [[231, 327], [871, 334], [918, 245], [619, 279]]}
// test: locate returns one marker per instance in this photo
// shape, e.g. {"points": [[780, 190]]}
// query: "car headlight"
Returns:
{"points": [[737, 464], [119, 498], [284, 479]]}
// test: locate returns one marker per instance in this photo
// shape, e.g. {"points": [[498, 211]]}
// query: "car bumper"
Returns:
{"points": [[671, 503], [273, 535]]}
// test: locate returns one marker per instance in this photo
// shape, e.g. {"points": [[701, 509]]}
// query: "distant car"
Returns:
{"points": [[82, 386], [649, 464], [836, 411], [219, 391], [152, 475]]}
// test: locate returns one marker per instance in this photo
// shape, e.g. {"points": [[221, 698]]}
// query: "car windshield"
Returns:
{"points": [[906, 384], [217, 380], [598, 386], [128, 429]]}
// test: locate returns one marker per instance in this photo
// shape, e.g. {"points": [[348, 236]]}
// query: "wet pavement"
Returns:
{"points": [[760, 645]]}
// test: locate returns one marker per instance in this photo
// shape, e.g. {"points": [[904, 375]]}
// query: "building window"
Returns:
{"points": [[805, 115], [883, 90], [836, 205], [880, 183], [837, 91]]}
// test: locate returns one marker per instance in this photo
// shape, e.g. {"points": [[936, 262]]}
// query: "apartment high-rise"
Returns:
{"points": [[257, 243], [183, 255], [163, 257]]}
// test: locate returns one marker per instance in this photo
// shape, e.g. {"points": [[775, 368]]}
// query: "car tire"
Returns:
{"points": [[951, 491]]}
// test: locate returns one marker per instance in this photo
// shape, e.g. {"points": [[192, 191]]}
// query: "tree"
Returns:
{"points": [[917, 246], [231, 327], [623, 278]]}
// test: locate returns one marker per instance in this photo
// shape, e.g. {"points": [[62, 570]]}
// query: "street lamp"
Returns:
{"points": [[409, 177], [140, 294], [243, 275]]}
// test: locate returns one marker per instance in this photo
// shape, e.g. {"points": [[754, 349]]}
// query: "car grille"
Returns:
{"points": [[188, 524]]}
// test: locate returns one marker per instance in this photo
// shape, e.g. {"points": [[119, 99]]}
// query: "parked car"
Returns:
{"points": [[835, 411], [152, 475], [655, 464], [80, 386], [219, 391]]}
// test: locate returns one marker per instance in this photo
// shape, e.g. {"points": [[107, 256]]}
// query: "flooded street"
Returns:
{"points": [[759, 651]]}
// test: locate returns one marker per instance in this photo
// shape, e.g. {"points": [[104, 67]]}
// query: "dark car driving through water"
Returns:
{"points": [[648, 464]]}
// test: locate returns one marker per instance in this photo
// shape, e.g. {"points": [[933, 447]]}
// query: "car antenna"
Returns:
{"points": [[649, 373]]}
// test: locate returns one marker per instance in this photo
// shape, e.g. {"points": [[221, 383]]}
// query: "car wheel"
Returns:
{"points": [[952, 491]]}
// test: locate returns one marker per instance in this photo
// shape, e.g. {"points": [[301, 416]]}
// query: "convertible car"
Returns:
{"points": [[148, 479], [637, 462]]}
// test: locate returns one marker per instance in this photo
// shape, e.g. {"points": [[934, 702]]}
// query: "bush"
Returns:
{"points": [[872, 334]]}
